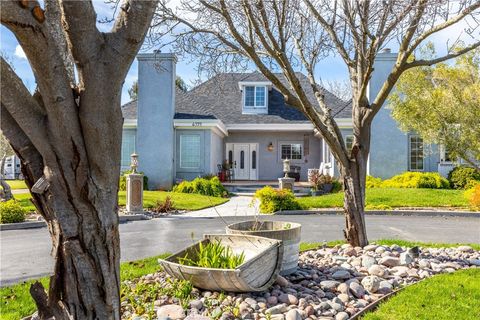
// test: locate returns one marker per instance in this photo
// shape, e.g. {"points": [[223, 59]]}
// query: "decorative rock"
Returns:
{"points": [[465, 249], [342, 288], [272, 300], [341, 275], [288, 298], [389, 261], [251, 301], [405, 258], [384, 287], [281, 281], [344, 297], [368, 261], [400, 271], [196, 304], [377, 270], [293, 314], [350, 252], [357, 290], [370, 247], [309, 310], [172, 311], [341, 316], [278, 309], [474, 262], [329, 285], [196, 316], [371, 283]]}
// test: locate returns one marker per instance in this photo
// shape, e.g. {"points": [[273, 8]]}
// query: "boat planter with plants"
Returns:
{"points": [[231, 263], [288, 232]]}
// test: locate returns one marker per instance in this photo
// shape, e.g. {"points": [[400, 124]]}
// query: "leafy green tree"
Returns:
{"points": [[442, 104]]}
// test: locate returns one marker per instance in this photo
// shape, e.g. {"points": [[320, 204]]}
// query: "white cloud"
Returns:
{"points": [[19, 52]]}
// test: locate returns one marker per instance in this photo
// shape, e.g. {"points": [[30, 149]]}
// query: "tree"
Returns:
{"points": [[341, 89], [67, 135], [442, 104], [296, 35], [179, 83], [5, 151]]}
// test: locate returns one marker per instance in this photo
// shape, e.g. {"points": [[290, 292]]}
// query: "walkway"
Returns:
{"points": [[237, 206]]}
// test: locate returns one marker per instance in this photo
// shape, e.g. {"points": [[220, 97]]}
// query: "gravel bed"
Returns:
{"points": [[331, 283]]}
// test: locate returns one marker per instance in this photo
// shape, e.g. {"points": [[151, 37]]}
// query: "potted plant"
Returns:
{"points": [[288, 232], [326, 183], [314, 178]]}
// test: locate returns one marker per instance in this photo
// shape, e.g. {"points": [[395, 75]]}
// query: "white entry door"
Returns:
{"points": [[241, 161]]}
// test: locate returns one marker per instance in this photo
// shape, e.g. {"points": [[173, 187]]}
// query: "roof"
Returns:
{"points": [[221, 98]]}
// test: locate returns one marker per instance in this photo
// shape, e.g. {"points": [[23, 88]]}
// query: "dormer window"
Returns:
{"points": [[254, 97]]}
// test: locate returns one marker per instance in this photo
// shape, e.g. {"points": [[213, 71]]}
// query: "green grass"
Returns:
{"points": [[16, 302], [17, 184], [393, 197], [443, 297], [181, 201]]}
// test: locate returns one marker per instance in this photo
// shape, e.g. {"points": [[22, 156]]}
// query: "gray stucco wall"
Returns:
{"points": [[155, 133], [270, 164], [217, 154], [205, 145], [128, 147], [389, 145]]}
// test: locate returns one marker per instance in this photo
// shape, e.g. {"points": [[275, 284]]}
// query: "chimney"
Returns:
{"points": [[155, 111]]}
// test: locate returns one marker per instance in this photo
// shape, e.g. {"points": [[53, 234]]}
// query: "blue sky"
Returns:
{"points": [[331, 68]]}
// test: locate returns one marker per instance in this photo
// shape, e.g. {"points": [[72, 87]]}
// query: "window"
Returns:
{"points": [[415, 153], [242, 159], [292, 151], [446, 155], [190, 151], [230, 157], [255, 98], [254, 159], [128, 147], [349, 142]]}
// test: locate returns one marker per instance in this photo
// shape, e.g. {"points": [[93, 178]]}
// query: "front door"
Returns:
{"points": [[241, 161]]}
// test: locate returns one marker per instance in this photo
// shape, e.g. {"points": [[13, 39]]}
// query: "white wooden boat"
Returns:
{"points": [[263, 258]]}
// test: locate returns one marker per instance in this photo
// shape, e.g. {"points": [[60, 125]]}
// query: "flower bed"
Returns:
{"points": [[333, 283]]}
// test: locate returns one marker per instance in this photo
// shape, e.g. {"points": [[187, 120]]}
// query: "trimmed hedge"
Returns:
{"points": [[463, 177], [429, 180], [123, 181], [272, 200], [207, 187], [11, 212]]}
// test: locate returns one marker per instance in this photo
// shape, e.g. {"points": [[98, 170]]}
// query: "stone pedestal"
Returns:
{"points": [[134, 193], [286, 183]]}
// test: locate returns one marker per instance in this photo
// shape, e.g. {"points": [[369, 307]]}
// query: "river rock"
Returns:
{"points": [[329, 285], [384, 287], [288, 299], [278, 309], [377, 270], [389, 261], [465, 249], [405, 258], [171, 311], [272, 300], [371, 283], [293, 314], [368, 261], [196, 304], [341, 316], [341, 275], [342, 288], [357, 289]]}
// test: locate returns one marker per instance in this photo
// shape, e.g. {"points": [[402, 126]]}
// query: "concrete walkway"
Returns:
{"points": [[238, 206]]}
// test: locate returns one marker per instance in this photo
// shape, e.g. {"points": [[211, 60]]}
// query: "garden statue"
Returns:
{"points": [[286, 182], [134, 188]]}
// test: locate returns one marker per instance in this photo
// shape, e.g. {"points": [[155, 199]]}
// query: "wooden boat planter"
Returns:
{"points": [[260, 269], [288, 232]]}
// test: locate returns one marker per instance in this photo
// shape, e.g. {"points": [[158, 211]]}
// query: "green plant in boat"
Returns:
{"points": [[213, 255]]}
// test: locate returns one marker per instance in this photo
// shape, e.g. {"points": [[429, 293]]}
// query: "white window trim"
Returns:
{"points": [[199, 157], [281, 143], [346, 138], [410, 155], [255, 109]]}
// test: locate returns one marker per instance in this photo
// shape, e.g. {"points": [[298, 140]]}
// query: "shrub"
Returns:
{"points": [[473, 196], [272, 200], [463, 177], [164, 206], [430, 180], [123, 181], [207, 187], [373, 182], [11, 211]]}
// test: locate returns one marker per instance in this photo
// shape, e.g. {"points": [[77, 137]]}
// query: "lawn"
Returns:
{"points": [[17, 184], [443, 297], [394, 198], [15, 301], [181, 201]]}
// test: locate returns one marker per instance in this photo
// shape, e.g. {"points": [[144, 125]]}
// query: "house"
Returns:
{"points": [[243, 119]]}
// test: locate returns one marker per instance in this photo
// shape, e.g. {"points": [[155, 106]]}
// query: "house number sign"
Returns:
{"points": [[197, 124]]}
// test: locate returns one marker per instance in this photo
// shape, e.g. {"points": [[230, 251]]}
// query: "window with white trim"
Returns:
{"points": [[128, 147], [190, 151], [415, 153], [255, 99], [291, 151]]}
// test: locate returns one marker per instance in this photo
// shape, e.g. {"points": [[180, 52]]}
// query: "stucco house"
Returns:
{"points": [[243, 119]]}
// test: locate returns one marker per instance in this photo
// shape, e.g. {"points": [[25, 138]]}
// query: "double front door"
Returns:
{"points": [[243, 157]]}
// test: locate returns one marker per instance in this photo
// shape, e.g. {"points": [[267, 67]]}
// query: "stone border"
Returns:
{"points": [[420, 213], [42, 224]]}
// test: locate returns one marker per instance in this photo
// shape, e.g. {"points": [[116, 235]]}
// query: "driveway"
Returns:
{"points": [[25, 253]]}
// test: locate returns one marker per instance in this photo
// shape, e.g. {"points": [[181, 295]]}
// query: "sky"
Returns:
{"points": [[330, 69]]}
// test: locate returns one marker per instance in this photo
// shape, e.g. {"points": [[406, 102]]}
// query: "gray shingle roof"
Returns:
{"points": [[221, 98]]}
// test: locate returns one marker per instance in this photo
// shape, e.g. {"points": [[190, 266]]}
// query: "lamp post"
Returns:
{"points": [[134, 187]]}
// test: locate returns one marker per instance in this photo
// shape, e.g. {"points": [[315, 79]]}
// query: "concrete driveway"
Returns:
{"points": [[25, 253]]}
